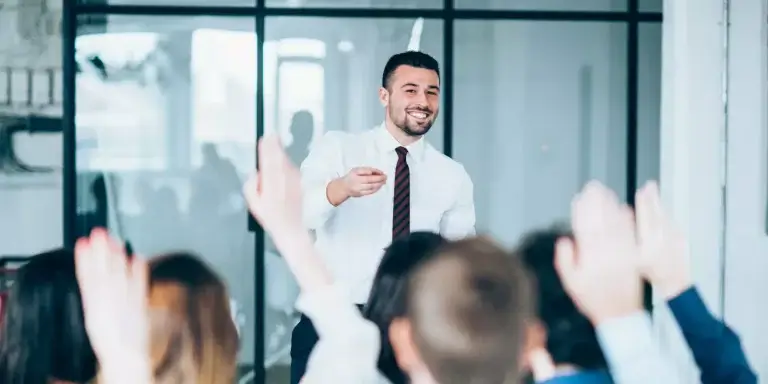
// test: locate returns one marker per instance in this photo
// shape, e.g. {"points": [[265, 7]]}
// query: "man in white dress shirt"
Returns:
{"points": [[363, 189]]}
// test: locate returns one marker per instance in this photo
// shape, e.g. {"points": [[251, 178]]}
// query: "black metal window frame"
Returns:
{"points": [[632, 16]]}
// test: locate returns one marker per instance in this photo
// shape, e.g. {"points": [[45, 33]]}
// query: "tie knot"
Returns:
{"points": [[401, 151]]}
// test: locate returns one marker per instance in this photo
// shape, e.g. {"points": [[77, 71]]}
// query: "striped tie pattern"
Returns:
{"points": [[401, 203]]}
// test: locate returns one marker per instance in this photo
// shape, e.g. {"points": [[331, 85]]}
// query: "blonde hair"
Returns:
{"points": [[193, 337]]}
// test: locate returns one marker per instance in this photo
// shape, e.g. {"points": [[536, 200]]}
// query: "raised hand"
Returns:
{"points": [[599, 270], [663, 259], [273, 194], [114, 295]]}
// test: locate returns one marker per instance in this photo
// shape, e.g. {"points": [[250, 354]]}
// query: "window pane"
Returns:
{"points": [[551, 100], [356, 3], [649, 102], [651, 5], [332, 87], [165, 133], [218, 3], [30, 163], [545, 5], [30, 175]]}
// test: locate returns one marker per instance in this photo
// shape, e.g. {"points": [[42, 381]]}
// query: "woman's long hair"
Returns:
{"points": [[387, 299], [193, 336], [43, 335]]}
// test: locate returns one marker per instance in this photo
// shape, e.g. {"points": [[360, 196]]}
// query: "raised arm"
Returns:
{"points": [[348, 348], [599, 271], [665, 263]]}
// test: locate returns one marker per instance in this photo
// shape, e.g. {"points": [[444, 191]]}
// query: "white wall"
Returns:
{"points": [[746, 242], [712, 155], [31, 205], [691, 148]]}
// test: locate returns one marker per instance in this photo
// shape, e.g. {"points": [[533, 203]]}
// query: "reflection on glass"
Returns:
{"points": [[552, 97], [649, 103], [545, 5], [651, 5], [322, 75], [220, 3], [224, 109], [356, 3], [129, 64], [165, 126]]}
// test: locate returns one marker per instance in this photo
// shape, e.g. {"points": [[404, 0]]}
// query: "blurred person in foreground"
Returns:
{"points": [[484, 310], [43, 338], [166, 321]]}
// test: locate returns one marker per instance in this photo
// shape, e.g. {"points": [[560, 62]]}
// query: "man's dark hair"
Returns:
{"points": [[43, 331], [410, 58], [387, 299], [469, 307], [571, 338]]}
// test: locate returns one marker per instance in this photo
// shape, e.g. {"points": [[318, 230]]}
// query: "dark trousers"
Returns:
{"points": [[303, 340]]}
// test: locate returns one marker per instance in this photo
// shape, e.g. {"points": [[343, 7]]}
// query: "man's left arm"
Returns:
{"points": [[459, 221]]}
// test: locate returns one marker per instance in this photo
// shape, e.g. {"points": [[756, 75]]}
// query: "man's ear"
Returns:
{"points": [[383, 96], [401, 338], [535, 336]]}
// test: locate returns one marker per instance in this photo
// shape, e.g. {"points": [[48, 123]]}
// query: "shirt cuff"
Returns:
{"points": [[691, 312], [626, 339]]}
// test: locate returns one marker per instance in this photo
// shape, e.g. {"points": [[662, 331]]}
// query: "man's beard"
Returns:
{"points": [[413, 129]]}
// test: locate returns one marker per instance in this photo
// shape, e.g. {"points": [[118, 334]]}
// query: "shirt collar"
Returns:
{"points": [[387, 143]]}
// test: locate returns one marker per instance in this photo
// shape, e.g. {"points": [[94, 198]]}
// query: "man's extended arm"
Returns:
{"points": [[321, 166]]}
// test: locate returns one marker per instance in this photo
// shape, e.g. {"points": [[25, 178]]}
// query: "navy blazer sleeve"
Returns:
{"points": [[715, 347]]}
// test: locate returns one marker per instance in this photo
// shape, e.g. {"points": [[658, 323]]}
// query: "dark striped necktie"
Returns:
{"points": [[401, 203]]}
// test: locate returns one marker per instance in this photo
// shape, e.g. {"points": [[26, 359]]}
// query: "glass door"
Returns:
{"points": [[166, 131]]}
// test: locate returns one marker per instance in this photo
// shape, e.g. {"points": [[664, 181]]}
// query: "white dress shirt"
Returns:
{"points": [[352, 237]]}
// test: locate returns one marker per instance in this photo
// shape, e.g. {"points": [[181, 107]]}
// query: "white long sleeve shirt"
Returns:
{"points": [[633, 353], [352, 237], [348, 348]]}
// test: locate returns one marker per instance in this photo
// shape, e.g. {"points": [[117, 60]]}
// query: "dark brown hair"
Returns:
{"points": [[469, 307]]}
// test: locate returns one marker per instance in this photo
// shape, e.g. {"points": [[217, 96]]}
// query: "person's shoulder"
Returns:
{"points": [[445, 164], [343, 138]]}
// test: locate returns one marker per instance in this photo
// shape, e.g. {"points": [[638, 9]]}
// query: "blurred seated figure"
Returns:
{"points": [[387, 299], [215, 183], [561, 331], [194, 339], [96, 217], [43, 338]]}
